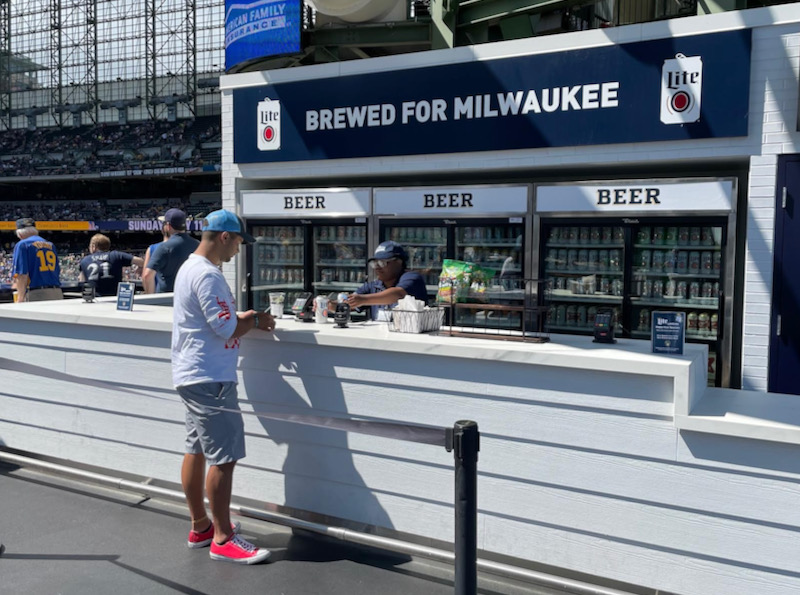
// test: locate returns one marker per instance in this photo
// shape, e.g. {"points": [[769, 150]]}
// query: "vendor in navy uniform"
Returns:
{"points": [[393, 282], [103, 267]]}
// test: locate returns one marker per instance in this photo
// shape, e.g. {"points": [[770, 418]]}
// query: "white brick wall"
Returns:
{"points": [[772, 132]]}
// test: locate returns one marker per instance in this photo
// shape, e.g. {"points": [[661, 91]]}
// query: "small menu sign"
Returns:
{"points": [[125, 296], [669, 332]]}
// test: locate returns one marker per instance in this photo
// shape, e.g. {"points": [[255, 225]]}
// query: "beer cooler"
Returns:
{"points": [[634, 248], [307, 240], [484, 225]]}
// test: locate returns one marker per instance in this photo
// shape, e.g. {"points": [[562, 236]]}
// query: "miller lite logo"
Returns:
{"points": [[269, 125], [681, 89]]}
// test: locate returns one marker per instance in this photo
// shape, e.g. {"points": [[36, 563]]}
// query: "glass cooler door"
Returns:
{"points": [[678, 267], [340, 261], [278, 257], [426, 245], [585, 266], [497, 247]]}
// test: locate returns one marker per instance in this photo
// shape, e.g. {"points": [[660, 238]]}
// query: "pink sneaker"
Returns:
{"points": [[239, 551], [205, 538]]}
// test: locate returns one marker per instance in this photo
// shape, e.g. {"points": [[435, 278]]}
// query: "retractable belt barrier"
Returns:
{"points": [[462, 439]]}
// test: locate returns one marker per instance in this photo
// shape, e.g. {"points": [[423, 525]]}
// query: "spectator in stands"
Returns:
{"points": [[37, 274], [103, 267], [170, 255]]}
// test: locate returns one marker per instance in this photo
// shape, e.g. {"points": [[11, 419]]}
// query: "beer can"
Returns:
{"points": [[552, 259], [682, 262], [694, 236], [670, 261], [714, 324], [670, 288], [583, 235], [643, 235], [607, 236], [604, 285], [707, 236], [581, 314], [645, 259], [573, 235], [572, 315], [572, 259], [602, 260], [658, 236], [616, 287], [583, 259], [691, 322], [671, 237], [562, 259], [323, 232], [591, 314], [683, 236], [716, 262], [593, 260], [644, 319], [680, 290], [707, 290], [694, 291], [703, 323], [706, 260], [595, 235], [561, 315], [646, 289], [694, 262], [658, 289], [658, 260], [614, 263]]}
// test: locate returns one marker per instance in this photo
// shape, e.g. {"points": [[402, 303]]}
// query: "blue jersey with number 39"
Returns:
{"points": [[37, 258]]}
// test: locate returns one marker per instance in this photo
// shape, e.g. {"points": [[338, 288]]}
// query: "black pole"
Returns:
{"points": [[466, 444]]}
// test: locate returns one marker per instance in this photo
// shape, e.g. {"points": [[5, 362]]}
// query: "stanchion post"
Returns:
{"points": [[466, 443]]}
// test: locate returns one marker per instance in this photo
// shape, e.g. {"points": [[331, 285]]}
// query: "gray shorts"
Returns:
{"points": [[218, 435]]}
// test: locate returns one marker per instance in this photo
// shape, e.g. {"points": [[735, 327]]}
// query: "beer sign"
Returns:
{"points": [[681, 89]]}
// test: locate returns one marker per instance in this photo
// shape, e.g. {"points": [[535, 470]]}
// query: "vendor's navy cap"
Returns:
{"points": [[390, 249], [25, 222], [223, 220], [175, 217]]}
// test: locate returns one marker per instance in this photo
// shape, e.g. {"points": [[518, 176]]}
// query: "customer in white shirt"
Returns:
{"points": [[205, 345]]}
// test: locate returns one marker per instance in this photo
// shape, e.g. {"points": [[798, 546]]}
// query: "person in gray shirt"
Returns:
{"points": [[168, 257]]}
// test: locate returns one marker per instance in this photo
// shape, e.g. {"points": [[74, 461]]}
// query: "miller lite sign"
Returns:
{"points": [[681, 89], [269, 125]]}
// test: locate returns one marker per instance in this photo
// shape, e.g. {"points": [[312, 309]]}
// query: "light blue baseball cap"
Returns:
{"points": [[223, 220]]}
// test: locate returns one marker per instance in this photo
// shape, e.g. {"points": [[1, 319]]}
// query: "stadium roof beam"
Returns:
{"points": [[5, 63]]}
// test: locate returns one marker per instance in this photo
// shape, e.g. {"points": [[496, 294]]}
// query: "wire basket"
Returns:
{"points": [[410, 321]]}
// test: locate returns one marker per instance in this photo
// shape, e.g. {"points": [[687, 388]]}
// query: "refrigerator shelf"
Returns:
{"points": [[277, 242], [573, 327], [687, 247], [342, 263], [486, 244], [693, 336], [565, 295], [351, 242], [651, 273], [277, 286], [615, 245], [582, 272], [705, 304], [280, 263]]}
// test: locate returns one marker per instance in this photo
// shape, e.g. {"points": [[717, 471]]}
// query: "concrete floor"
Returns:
{"points": [[66, 537]]}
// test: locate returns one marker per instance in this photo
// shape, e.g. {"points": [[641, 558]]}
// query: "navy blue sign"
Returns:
{"points": [[125, 296], [669, 332], [662, 90], [260, 29], [142, 225]]}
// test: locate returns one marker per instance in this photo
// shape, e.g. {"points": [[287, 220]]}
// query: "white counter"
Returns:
{"points": [[582, 465]]}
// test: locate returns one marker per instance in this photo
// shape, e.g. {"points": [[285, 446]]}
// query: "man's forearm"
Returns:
{"points": [[149, 280], [22, 287]]}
